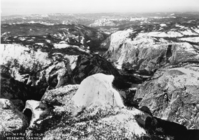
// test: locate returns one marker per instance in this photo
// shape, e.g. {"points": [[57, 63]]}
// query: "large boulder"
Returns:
{"points": [[172, 94], [12, 120], [97, 91]]}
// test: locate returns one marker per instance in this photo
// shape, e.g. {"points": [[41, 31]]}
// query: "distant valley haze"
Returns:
{"points": [[26, 7]]}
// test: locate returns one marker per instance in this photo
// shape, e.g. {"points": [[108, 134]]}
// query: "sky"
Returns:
{"points": [[24, 7]]}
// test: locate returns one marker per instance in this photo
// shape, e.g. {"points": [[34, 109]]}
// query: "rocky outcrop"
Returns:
{"points": [[36, 112], [172, 94], [117, 124], [91, 64], [27, 73], [148, 51], [96, 109], [12, 120], [19, 72], [25, 81], [100, 113], [103, 22]]}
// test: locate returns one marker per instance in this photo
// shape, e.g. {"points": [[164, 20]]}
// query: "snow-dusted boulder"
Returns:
{"points": [[97, 90]]}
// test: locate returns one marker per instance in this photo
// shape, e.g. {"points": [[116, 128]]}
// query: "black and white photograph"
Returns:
{"points": [[99, 70]]}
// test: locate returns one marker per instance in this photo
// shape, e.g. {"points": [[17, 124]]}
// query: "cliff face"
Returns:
{"points": [[148, 51]]}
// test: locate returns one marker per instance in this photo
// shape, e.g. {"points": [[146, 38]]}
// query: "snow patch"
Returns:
{"points": [[163, 25], [191, 39], [118, 38], [23, 55]]}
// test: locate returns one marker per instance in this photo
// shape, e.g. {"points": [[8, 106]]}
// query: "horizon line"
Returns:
{"points": [[78, 13]]}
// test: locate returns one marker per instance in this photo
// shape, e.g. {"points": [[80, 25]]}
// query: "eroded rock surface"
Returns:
{"points": [[60, 99], [172, 94], [11, 119], [147, 51], [89, 65], [36, 112]]}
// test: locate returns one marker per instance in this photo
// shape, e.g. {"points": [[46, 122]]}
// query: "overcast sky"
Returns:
{"points": [[23, 7]]}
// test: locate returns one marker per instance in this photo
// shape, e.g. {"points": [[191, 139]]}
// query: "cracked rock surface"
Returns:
{"points": [[172, 94]]}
